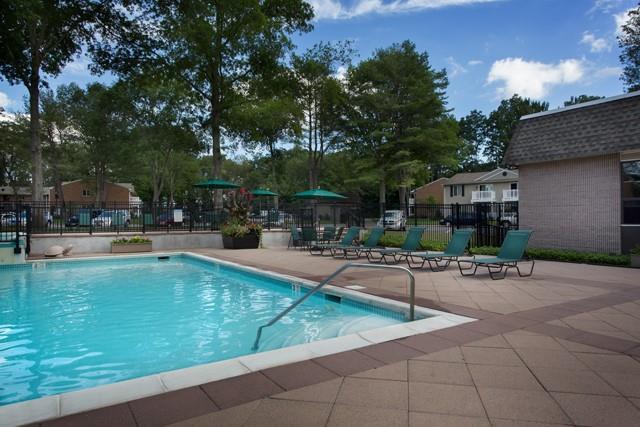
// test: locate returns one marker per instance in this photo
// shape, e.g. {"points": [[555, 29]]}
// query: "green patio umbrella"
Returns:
{"points": [[217, 184], [318, 193], [261, 192]]}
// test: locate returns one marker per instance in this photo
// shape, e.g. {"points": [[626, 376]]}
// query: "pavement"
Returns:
{"points": [[559, 348]]}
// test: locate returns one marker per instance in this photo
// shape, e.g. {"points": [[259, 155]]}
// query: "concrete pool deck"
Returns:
{"points": [[559, 348]]}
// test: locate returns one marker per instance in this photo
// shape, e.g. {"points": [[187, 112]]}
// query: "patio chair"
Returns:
{"points": [[295, 239], [395, 255], [338, 234], [440, 261], [353, 251], [347, 240], [328, 234], [510, 255], [309, 237]]}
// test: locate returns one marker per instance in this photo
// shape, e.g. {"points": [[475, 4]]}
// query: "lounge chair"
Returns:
{"points": [[411, 244], [353, 251], [295, 239], [347, 240], [309, 237], [328, 234], [338, 235], [440, 261], [511, 253]]}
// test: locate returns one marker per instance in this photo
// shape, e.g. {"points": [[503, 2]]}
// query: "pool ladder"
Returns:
{"points": [[412, 293]]}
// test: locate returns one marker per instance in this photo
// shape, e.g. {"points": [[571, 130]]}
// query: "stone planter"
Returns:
{"points": [[250, 241], [635, 261], [130, 247]]}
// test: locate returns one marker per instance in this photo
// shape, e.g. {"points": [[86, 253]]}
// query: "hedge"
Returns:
{"points": [[563, 255]]}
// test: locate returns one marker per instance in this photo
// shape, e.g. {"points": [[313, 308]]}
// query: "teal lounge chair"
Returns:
{"points": [[353, 251], [328, 234], [351, 235], [309, 237], [295, 240], [440, 261], [510, 255], [395, 255]]}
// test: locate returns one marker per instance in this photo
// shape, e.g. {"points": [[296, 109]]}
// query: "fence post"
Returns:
{"points": [[91, 209], [29, 226]]}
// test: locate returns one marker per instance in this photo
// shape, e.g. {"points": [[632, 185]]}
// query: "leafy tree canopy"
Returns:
{"points": [[629, 41]]}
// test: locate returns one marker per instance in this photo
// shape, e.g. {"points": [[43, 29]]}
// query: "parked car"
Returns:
{"points": [[74, 219], [462, 219], [106, 218], [393, 220], [8, 219], [508, 219]]}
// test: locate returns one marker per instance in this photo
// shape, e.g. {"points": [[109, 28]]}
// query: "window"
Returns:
{"points": [[631, 192], [456, 190], [485, 187], [514, 185], [86, 193]]}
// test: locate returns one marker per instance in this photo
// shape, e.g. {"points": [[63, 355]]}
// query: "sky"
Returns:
{"points": [[542, 49]]}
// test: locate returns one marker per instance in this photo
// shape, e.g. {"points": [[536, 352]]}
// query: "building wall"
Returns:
{"points": [[572, 204], [433, 189], [73, 193], [469, 188]]}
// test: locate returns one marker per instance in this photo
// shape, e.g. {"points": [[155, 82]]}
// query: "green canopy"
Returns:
{"points": [[318, 193], [258, 192], [216, 184]]}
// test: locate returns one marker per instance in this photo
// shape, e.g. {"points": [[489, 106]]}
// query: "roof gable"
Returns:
{"points": [[605, 126], [496, 175]]}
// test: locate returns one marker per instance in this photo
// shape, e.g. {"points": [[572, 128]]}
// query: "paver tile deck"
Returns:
{"points": [[556, 349]]}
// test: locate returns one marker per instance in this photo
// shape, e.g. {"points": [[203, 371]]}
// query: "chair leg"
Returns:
{"points": [[435, 265], [372, 259], [494, 274], [472, 265], [414, 266], [533, 263]]}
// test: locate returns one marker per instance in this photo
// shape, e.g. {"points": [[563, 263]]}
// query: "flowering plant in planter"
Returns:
{"points": [[238, 231], [132, 244], [135, 240]]}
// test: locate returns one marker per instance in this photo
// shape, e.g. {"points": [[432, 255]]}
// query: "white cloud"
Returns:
{"points": [[474, 62], [608, 72], [79, 67], [533, 79], [604, 5], [621, 19], [455, 69], [5, 101], [597, 44], [334, 9]]}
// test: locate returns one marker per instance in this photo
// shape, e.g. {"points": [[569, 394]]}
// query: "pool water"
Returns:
{"points": [[72, 325]]}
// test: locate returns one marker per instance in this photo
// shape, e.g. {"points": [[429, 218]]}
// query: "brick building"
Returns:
{"points": [[83, 192], [580, 175]]}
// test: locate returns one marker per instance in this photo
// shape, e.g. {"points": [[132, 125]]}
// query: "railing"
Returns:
{"points": [[483, 196], [509, 195], [412, 294]]}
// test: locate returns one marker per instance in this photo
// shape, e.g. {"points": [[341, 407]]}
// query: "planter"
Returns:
{"points": [[250, 241], [635, 261], [130, 247]]}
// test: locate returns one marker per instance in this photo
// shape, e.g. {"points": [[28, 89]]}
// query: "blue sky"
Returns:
{"points": [[543, 49]]}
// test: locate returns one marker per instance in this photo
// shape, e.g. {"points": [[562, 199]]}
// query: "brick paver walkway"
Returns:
{"points": [[561, 348]]}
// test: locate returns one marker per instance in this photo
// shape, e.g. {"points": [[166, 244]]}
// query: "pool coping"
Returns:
{"points": [[72, 402]]}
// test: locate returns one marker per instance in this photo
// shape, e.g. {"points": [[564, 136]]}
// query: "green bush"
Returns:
{"points": [[635, 250], [396, 240], [563, 255], [131, 241]]}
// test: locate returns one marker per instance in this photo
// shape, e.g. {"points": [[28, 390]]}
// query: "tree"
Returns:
{"points": [[399, 123], [629, 42], [502, 123], [215, 48], [14, 156], [38, 38], [321, 100], [574, 100], [472, 131]]}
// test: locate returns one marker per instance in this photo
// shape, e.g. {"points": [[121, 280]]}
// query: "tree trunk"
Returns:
{"points": [[37, 183], [382, 195]]}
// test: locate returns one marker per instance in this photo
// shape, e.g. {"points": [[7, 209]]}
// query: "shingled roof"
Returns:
{"points": [[605, 126]]}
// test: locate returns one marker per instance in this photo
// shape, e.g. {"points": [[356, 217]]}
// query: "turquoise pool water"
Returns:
{"points": [[72, 325]]}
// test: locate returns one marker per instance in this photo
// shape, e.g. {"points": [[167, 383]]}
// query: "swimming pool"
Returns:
{"points": [[72, 325]]}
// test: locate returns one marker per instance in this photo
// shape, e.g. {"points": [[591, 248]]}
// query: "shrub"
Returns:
{"points": [[635, 250], [396, 240], [563, 255], [235, 228], [131, 241]]}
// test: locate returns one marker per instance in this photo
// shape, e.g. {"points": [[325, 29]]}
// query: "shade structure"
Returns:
{"points": [[261, 192], [216, 184], [318, 193]]}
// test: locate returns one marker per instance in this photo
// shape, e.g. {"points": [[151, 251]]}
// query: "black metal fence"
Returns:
{"points": [[490, 220]]}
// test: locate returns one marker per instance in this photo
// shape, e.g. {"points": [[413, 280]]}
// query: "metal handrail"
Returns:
{"points": [[412, 293]]}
